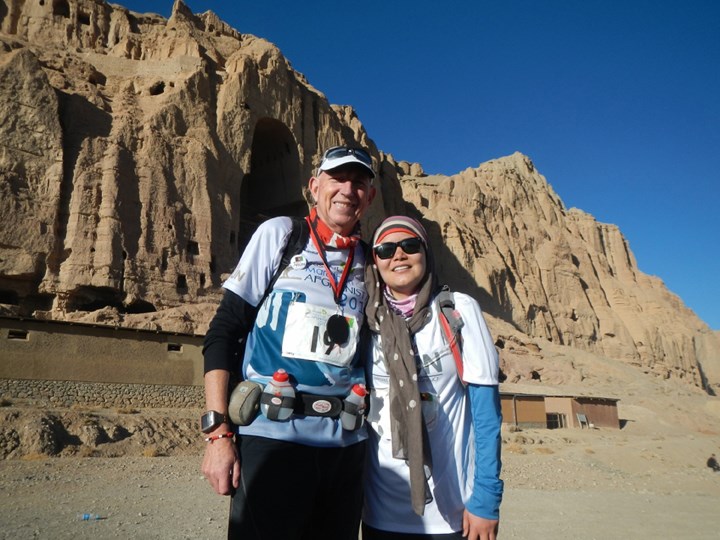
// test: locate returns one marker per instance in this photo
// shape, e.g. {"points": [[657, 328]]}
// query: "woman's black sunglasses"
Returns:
{"points": [[387, 249]]}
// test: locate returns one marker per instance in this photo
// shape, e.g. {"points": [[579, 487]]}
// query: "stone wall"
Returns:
{"points": [[107, 395]]}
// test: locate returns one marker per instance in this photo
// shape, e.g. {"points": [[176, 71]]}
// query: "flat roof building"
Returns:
{"points": [[551, 408], [64, 351]]}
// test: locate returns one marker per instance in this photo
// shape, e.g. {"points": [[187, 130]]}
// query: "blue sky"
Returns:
{"points": [[616, 102]]}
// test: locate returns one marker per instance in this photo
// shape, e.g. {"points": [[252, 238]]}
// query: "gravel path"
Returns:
{"points": [[166, 497], [140, 472]]}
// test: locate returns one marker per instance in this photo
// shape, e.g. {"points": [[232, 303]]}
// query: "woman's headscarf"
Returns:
{"points": [[408, 432]]}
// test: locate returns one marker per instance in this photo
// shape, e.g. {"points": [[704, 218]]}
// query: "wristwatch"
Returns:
{"points": [[210, 420]]}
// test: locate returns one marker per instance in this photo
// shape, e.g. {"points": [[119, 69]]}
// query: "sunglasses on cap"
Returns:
{"points": [[342, 151], [387, 249]]}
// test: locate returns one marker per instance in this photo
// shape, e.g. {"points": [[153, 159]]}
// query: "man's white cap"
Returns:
{"points": [[342, 155]]}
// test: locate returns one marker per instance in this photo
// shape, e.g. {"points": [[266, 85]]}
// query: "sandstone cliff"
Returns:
{"points": [[137, 154], [557, 274]]}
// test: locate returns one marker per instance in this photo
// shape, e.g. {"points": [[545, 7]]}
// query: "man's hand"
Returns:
{"points": [[477, 528], [221, 465]]}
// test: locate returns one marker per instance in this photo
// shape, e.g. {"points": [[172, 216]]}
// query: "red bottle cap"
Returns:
{"points": [[281, 375], [360, 390]]}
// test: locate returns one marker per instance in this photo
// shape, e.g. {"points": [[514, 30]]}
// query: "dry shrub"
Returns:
{"points": [[34, 456], [79, 407], [522, 439], [86, 451], [152, 451], [514, 448]]}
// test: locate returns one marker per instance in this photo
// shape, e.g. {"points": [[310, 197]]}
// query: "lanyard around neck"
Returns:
{"points": [[337, 287]]}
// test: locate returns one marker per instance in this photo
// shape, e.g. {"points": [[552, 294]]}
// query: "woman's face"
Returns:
{"points": [[402, 272]]}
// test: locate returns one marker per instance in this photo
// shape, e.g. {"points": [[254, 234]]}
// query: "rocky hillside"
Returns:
{"points": [[558, 274], [138, 153]]}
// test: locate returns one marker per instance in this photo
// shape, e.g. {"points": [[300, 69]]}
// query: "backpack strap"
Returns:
{"points": [[295, 245], [451, 322]]}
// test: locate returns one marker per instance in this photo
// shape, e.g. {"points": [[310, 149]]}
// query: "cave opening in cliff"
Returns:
{"points": [[273, 186], [140, 306], [61, 8], [88, 298], [36, 302], [9, 297]]}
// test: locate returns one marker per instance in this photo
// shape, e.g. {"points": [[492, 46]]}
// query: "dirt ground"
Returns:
{"points": [[139, 471]]}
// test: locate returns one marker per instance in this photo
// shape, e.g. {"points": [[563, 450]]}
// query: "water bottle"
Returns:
{"points": [[278, 397], [353, 412], [89, 517]]}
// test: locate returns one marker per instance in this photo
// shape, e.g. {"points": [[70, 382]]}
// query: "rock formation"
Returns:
{"points": [[137, 154], [557, 274]]}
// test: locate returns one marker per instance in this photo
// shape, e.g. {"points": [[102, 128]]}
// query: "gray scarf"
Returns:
{"points": [[409, 437]]}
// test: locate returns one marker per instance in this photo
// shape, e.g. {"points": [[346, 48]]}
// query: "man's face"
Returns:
{"points": [[341, 196]]}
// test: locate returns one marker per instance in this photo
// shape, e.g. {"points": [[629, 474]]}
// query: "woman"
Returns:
{"points": [[433, 470]]}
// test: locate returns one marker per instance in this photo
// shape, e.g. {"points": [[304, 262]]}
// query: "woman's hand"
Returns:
{"points": [[477, 528]]}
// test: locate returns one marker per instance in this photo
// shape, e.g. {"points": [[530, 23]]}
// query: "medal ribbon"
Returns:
{"points": [[337, 287]]}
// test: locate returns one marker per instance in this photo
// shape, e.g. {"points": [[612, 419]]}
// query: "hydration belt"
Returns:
{"points": [[315, 405], [307, 404]]}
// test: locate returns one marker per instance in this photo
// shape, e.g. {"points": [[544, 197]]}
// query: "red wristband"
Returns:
{"points": [[213, 438]]}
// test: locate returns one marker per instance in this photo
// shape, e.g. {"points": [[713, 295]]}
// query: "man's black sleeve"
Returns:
{"points": [[226, 335]]}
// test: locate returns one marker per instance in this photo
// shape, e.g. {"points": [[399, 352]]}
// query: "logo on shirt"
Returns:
{"points": [[298, 262]]}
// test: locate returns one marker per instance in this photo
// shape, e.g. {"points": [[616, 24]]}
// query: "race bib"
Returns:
{"points": [[306, 337]]}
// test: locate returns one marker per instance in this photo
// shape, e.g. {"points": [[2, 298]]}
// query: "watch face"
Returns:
{"points": [[210, 420]]}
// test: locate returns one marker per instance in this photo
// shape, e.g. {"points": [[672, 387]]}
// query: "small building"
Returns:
{"points": [[67, 351], [523, 410], [552, 409]]}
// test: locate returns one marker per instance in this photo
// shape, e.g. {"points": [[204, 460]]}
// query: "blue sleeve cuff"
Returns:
{"points": [[487, 420]]}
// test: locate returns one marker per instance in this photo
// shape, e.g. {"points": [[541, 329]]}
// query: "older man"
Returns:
{"points": [[299, 477]]}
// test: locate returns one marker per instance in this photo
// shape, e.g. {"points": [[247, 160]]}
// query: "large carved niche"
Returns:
{"points": [[273, 186]]}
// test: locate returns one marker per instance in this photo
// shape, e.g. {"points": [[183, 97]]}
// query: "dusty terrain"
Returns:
{"points": [[172, 133], [138, 469]]}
